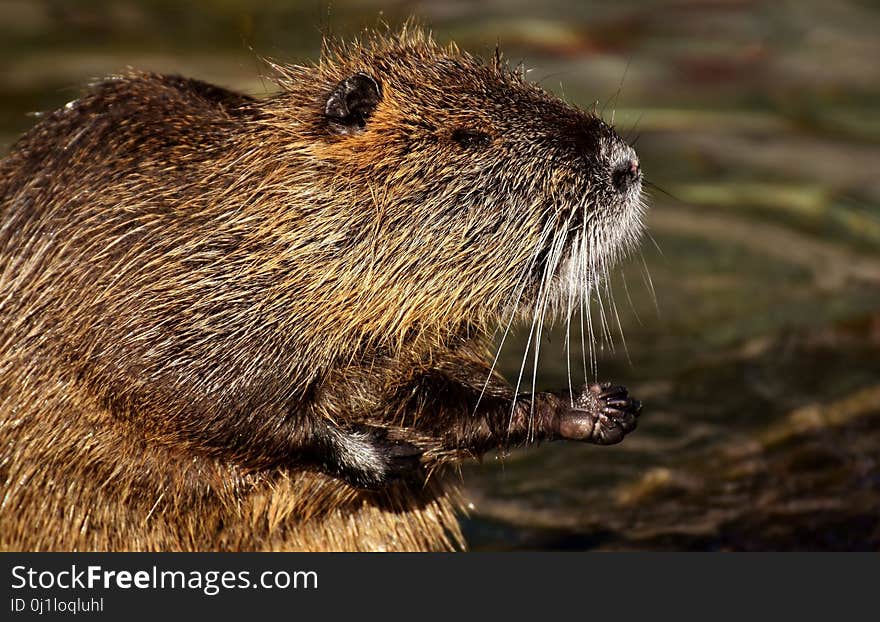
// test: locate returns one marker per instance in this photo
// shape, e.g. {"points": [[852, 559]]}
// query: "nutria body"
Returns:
{"points": [[237, 323]]}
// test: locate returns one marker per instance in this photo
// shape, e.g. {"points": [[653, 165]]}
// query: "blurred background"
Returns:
{"points": [[751, 317]]}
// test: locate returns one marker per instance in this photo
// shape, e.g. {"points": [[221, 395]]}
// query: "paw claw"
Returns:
{"points": [[620, 403]]}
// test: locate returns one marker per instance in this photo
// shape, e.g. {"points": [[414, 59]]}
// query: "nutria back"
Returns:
{"points": [[240, 323]]}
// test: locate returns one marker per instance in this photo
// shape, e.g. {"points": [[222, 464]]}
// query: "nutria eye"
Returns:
{"points": [[471, 138]]}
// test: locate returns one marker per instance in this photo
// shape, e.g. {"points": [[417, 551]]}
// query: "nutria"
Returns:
{"points": [[236, 323]]}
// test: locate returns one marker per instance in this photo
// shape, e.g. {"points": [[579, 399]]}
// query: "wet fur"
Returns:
{"points": [[207, 301]]}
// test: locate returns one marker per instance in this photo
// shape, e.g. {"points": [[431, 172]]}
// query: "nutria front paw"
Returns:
{"points": [[370, 459], [602, 414], [404, 460]]}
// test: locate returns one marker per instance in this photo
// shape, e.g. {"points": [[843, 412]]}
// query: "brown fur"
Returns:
{"points": [[206, 296]]}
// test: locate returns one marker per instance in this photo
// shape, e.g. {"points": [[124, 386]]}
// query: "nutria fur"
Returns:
{"points": [[231, 323]]}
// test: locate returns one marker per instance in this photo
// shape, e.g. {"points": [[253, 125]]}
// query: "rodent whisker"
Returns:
{"points": [[628, 297], [649, 282], [568, 311], [549, 273], [614, 308], [654, 186], [520, 287], [630, 131], [548, 228], [537, 323]]}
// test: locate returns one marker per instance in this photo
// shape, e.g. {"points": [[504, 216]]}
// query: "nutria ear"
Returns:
{"points": [[351, 103]]}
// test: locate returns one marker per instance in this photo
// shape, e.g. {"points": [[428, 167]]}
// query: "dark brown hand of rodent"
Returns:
{"points": [[470, 416], [601, 414]]}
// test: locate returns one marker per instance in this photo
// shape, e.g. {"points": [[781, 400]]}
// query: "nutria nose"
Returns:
{"points": [[627, 174]]}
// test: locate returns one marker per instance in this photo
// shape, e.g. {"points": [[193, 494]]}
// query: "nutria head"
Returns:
{"points": [[477, 190]]}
